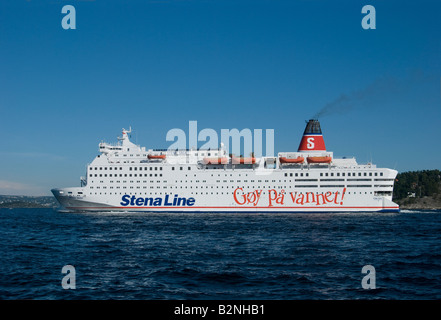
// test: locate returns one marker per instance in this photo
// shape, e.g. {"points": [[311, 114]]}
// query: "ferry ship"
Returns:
{"points": [[127, 177]]}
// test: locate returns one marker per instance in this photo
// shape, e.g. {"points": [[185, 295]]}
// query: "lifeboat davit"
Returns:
{"points": [[156, 156], [241, 160], [319, 159], [293, 160], [223, 160]]}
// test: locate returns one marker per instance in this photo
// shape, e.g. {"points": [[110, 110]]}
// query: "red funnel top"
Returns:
{"points": [[312, 139]]}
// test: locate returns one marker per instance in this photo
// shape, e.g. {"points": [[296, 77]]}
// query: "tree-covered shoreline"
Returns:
{"points": [[418, 189]]}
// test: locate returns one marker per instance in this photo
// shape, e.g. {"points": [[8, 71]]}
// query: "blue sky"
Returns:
{"points": [[156, 65]]}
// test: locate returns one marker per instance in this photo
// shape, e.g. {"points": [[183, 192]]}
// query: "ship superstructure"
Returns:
{"points": [[127, 177]]}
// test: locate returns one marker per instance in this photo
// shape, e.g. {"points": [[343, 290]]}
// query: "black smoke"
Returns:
{"points": [[383, 90]]}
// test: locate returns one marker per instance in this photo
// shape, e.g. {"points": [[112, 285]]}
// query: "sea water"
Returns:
{"points": [[219, 256]]}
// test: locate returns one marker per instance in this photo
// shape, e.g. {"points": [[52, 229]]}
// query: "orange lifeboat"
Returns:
{"points": [[250, 160], [293, 160], [223, 160], [319, 159], [156, 156]]}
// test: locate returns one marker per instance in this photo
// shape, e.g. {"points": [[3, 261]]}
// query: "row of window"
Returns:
{"points": [[239, 181], [136, 168], [227, 193], [301, 174], [337, 174], [110, 175], [243, 187], [126, 175], [130, 168]]}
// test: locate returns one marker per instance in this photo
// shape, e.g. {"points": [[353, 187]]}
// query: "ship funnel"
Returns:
{"points": [[312, 139]]}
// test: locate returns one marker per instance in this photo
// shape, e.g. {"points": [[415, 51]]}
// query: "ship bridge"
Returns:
{"points": [[124, 145]]}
